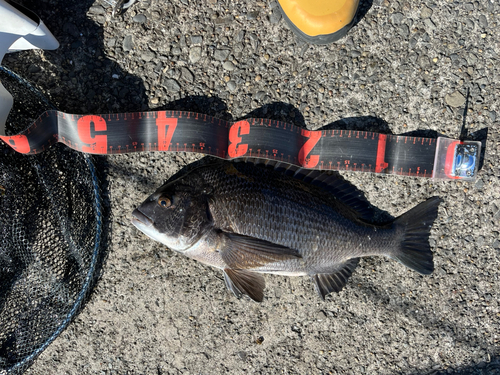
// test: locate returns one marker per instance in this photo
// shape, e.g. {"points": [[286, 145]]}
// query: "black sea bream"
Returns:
{"points": [[249, 219]]}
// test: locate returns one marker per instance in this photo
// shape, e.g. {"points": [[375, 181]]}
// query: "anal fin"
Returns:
{"points": [[245, 282], [326, 283]]}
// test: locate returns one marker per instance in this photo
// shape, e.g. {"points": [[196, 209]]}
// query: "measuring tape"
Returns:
{"points": [[341, 150]]}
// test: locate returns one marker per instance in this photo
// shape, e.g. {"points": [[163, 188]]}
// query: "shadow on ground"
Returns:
{"points": [[364, 7], [425, 317], [82, 79]]}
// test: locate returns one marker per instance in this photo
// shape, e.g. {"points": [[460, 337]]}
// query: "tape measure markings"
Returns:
{"points": [[349, 150]]}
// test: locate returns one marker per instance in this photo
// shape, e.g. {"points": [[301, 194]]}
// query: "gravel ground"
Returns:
{"points": [[405, 67]]}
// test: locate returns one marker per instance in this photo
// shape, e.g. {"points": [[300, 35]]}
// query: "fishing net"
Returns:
{"points": [[50, 236]]}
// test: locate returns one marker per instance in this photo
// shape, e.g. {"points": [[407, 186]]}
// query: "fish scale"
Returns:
{"points": [[248, 219], [298, 228]]}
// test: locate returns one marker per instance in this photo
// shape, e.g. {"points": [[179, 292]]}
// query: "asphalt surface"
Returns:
{"points": [[405, 67]]}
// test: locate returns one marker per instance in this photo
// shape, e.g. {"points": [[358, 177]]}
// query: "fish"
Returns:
{"points": [[252, 217]]}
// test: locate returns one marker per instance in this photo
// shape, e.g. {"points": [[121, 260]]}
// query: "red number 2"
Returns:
{"points": [[304, 158]]}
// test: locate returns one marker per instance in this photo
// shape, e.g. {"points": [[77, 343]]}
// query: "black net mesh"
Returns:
{"points": [[50, 238]]}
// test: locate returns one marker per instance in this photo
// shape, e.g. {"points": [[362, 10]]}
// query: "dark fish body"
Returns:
{"points": [[250, 219]]}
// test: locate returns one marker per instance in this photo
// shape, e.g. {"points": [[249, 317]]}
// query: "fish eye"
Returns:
{"points": [[164, 202]]}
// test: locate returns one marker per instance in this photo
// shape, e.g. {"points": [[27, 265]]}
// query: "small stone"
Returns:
{"points": [[425, 12], [455, 99], [194, 54], [483, 21], [493, 115], [154, 101], [275, 16], [404, 31], [187, 75], [34, 68], [496, 216], [260, 95], [424, 62], [274, 5], [196, 39], [221, 54], [139, 18], [321, 316], [252, 15], [479, 184], [100, 19], [172, 85], [240, 36], [412, 43], [397, 18], [227, 79], [429, 25], [238, 48], [96, 9], [242, 355], [148, 56], [176, 51], [228, 65], [128, 43], [231, 86], [258, 77], [496, 244], [254, 40], [224, 20]]}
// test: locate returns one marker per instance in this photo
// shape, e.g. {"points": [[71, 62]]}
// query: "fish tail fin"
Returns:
{"points": [[415, 251]]}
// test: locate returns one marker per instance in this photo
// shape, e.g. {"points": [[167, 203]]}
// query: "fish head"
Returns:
{"points": [[176, 215]]}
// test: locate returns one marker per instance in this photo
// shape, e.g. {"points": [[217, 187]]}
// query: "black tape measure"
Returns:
{"points": [[348, 150]]}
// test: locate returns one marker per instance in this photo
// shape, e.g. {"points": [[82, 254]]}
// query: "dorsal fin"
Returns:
{"points": [[356, 205]]}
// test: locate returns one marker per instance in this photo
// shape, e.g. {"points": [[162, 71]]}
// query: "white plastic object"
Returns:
{"points": [[20, 29]]}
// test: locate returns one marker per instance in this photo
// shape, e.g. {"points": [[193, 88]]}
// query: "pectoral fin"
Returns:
{"points": [[243, 252], [327, 283], [244, 282]]}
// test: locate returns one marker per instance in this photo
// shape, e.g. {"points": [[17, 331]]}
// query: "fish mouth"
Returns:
{"points": [[138, 217]]}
